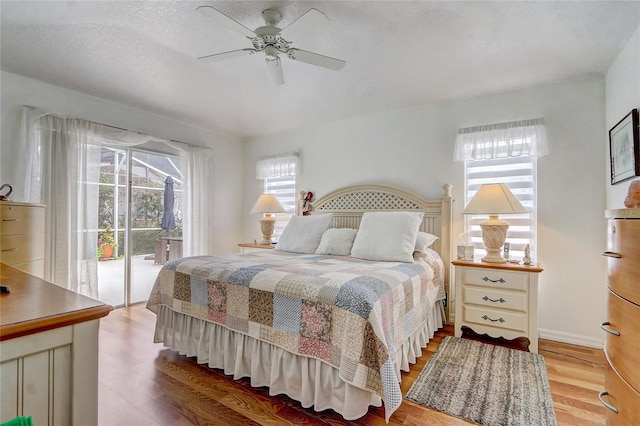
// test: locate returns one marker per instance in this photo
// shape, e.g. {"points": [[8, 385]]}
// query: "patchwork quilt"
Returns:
{"points": [[347, 312]]}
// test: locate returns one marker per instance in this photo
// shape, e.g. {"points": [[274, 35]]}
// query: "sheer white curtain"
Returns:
{"points": [[277, 165], [502, 140], [62, 156], [198, 201], [64, 159]]}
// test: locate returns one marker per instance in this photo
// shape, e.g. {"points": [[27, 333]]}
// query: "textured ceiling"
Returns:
{"points": [[399, 54]]}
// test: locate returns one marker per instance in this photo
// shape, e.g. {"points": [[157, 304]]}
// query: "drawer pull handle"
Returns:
{"points": [[500, 280], [11, 249], [487, 298], [608, 330], [605, 403], [611, 254], [10, 220], [494, 320]]}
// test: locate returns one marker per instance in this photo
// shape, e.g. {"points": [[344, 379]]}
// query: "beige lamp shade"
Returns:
{"points": [[267, 204], [494, 199]]}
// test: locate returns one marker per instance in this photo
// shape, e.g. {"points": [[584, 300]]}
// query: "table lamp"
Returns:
{"points": [[494, 199], [267, 204]]}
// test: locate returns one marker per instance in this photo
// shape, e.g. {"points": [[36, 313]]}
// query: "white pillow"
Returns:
{"points": [[387, 236], [424, 240], [337, 241], [303, 233]]}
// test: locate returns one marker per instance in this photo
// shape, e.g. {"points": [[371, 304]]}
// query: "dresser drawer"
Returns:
{"points": [[621, 397], [495, 278], [624, 350], [21, 248], [497, 318], [16, 219], [492, 297], [623, 270]]}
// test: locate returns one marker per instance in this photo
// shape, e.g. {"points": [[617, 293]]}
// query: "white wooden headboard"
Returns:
{"points": [[349, 203]]}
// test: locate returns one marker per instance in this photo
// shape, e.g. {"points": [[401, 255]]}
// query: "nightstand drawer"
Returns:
{"points": [[497, 318], [494, 298], [495, 278]]}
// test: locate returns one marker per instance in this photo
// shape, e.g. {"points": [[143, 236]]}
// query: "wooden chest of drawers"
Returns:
{"points": [[500, 300], [622, 346], [22, 236]]}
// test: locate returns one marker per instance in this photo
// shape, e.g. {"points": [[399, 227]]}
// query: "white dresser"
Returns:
{"points": [[497, 300], [48, 351], [22, 236]]}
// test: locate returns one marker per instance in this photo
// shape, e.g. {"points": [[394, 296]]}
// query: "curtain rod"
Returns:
{"points": [[145, 134], [502, 126]]}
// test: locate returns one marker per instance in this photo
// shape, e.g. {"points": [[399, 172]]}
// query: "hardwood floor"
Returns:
{"points": [[142, 383]]}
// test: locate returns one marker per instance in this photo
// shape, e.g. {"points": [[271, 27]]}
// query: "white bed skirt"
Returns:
{"points": [[310, 381]]}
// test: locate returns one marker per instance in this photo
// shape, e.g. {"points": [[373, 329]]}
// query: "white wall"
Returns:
{"points": [[413, 149], [18, 91], [622, 95]]}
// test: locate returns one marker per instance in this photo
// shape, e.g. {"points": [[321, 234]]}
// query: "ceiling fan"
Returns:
{"points": [[273, 41]]}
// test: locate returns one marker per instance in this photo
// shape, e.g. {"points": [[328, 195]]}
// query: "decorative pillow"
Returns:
{"points": [[303, 233], [387, 236], [424, 241], [337, 241]]}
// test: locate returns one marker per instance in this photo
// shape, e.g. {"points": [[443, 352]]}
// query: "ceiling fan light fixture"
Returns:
{"points": [[271, 52]]}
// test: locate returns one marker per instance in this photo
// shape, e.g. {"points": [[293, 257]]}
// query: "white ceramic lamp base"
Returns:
{"points": [[267, 225], [494, 234]]}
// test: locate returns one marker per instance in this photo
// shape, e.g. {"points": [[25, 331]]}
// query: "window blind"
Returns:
{"points": [[285, 189]]}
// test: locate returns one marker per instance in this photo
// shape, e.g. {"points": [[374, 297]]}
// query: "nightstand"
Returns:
{"points": [[249, 247], [497, 299]]}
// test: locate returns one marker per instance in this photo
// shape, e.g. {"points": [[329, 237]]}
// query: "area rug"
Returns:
{"points": [[486, 384]]}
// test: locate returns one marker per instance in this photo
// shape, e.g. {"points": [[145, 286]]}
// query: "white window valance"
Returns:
{"points": [[503, 140], [277, 165]]}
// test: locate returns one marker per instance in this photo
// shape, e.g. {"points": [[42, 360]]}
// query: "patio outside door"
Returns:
{"points": [[131, 209]]}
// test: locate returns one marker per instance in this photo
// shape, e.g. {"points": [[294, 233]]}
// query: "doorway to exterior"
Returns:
{"points": [[140, 217]]}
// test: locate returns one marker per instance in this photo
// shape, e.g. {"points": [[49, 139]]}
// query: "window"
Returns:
{"points": [[279, 174], [285, 189], [519, 174], [504, 153]]}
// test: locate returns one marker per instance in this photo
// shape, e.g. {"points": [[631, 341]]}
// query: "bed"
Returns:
{"points": [[330, 331]]}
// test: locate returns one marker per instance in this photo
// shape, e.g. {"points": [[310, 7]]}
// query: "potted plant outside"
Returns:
{"points": [[106, 243]]}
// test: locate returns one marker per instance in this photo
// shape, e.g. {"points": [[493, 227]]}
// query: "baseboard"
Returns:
{"points": [[574, 339]]}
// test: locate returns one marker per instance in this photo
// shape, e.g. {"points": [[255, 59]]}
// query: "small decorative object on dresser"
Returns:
{"points": [[499, 300], [633, 195], [622, 347]]}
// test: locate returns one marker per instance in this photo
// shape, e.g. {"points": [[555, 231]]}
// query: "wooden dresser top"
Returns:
{"points": [[35, 305]]}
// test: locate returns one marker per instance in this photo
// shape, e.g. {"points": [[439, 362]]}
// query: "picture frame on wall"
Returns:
{"points": [[624, 148]]}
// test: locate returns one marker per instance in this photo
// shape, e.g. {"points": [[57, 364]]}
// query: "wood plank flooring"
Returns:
{"points": [[142, 383]]}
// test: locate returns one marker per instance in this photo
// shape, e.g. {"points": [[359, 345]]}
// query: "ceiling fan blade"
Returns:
{"points": [[306, 23], [274, 71], [222, 19], [226, 55], [315, 59]]}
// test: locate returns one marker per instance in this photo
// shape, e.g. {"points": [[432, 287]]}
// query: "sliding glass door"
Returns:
{"points": [[140, 205]]}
